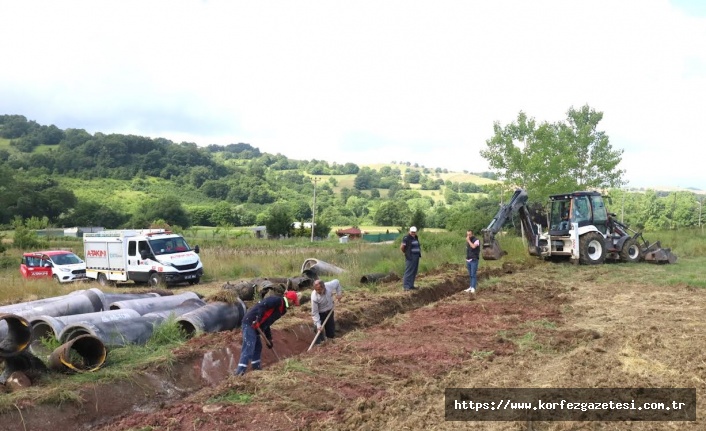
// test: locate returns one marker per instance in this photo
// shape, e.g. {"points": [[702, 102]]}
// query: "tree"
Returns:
{"points": [[278, 220], [593, 161], [418, 219], [167, 208], [90, 213], [392, 213], [554, 158]]}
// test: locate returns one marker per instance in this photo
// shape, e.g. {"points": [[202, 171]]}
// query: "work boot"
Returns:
{"points": [[240, 371]]}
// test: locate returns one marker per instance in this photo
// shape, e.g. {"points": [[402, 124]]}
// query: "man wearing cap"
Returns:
{"points": [[412, 253], [322, 304], [258, 320]]}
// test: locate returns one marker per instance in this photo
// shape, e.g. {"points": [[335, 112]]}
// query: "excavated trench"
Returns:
{"points": [[210, 358]]}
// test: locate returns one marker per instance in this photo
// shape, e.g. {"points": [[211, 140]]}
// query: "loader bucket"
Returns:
{"points": [[491, 249], [656, 254]]}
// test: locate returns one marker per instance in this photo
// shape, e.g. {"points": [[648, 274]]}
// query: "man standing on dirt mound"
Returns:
{"points": [[322, 304], [258, 321], [412, 250], [472, 259]]}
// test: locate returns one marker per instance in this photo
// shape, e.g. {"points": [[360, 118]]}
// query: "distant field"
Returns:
{"points": [[348, 180], [128, 194]]}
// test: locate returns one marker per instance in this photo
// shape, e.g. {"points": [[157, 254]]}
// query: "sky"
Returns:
{"points": [[367, 81]]}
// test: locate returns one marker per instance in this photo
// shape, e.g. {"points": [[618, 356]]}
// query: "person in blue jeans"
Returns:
{"points": [[472, 258], [412, 250], [259, 318]]}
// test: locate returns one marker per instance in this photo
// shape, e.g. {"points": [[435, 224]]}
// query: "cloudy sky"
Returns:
{"points": [[366, 81]]}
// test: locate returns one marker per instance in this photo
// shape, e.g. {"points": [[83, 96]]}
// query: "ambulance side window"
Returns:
{"points": [[131, 248]]}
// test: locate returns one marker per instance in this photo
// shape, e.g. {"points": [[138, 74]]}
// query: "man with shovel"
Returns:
{"points": [[256, 323], [322, 307]]}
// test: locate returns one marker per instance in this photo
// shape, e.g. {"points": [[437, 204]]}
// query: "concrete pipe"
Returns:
{"points": [[319, 267], [84, 353], [114, 334], [131, 331], [158, 303], [51, 327], [110, 298], [17, 335], [300, 283], [185, 307], [23, 306], [213, 317]]}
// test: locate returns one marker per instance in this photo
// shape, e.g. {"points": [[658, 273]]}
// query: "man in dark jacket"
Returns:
{"points": [[259, 318], [412, 250]]}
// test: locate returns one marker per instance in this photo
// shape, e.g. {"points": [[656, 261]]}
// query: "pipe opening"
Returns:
{"points": [[85, 353], [18, 335]]}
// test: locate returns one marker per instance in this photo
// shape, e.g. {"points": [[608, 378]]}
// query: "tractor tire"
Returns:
{"points": [[592, 250], [155, 281], [631, 252]]}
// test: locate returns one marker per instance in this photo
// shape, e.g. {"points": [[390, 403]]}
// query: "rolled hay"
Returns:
{"points": [[244, 289], [379, 278], [319, 267], [84, 353], [229, 296]]}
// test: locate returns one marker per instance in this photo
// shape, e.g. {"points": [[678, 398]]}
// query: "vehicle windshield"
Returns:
{"points": [[169, 245], [66, 259], [560, 217]]}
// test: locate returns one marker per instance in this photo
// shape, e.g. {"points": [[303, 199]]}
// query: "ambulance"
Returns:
{"points": [[156, 257]]}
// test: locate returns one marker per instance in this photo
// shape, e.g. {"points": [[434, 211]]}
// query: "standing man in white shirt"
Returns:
{"points": [[322, 303]]}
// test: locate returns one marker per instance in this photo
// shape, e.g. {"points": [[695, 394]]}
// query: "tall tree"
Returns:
{"points": [[554, 158]]}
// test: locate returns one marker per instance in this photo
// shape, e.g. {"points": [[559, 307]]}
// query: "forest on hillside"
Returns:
{"points": [[62, 178]]}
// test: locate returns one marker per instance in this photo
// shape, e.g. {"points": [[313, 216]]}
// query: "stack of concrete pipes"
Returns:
{"points": [[89, 322]]}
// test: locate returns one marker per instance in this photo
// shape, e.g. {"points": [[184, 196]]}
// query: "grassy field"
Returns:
{"points": [[230, 255], [229, 259]]}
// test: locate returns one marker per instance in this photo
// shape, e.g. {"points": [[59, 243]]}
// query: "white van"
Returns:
{"points": [[157, 257]]}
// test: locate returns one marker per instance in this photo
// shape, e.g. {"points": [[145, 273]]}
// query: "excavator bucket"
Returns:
{"points": [[491, 249], [656, 254]]}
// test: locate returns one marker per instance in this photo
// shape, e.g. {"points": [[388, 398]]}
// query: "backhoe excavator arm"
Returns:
{"points": [[491, 248]]}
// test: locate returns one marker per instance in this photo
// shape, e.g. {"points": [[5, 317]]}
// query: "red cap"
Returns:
{"points": [[292, 296]]}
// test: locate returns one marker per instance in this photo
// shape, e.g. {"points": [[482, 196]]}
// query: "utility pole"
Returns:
{"points": [[700, 202], [313, 211]]}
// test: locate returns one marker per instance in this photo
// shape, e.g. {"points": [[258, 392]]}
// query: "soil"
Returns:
{"points": [[396, 352]]}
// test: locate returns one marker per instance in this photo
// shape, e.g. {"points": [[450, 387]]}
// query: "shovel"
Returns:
{"points": [[268, 343], [319, 331]]}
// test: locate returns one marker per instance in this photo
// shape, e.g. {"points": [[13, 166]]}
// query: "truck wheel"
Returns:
{"points": [[592, 249], [103, 280], [631, 252], [155, 280], [56, 279]]}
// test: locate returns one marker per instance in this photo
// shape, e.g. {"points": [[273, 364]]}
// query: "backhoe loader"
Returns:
{"points": [[579, 228]]}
